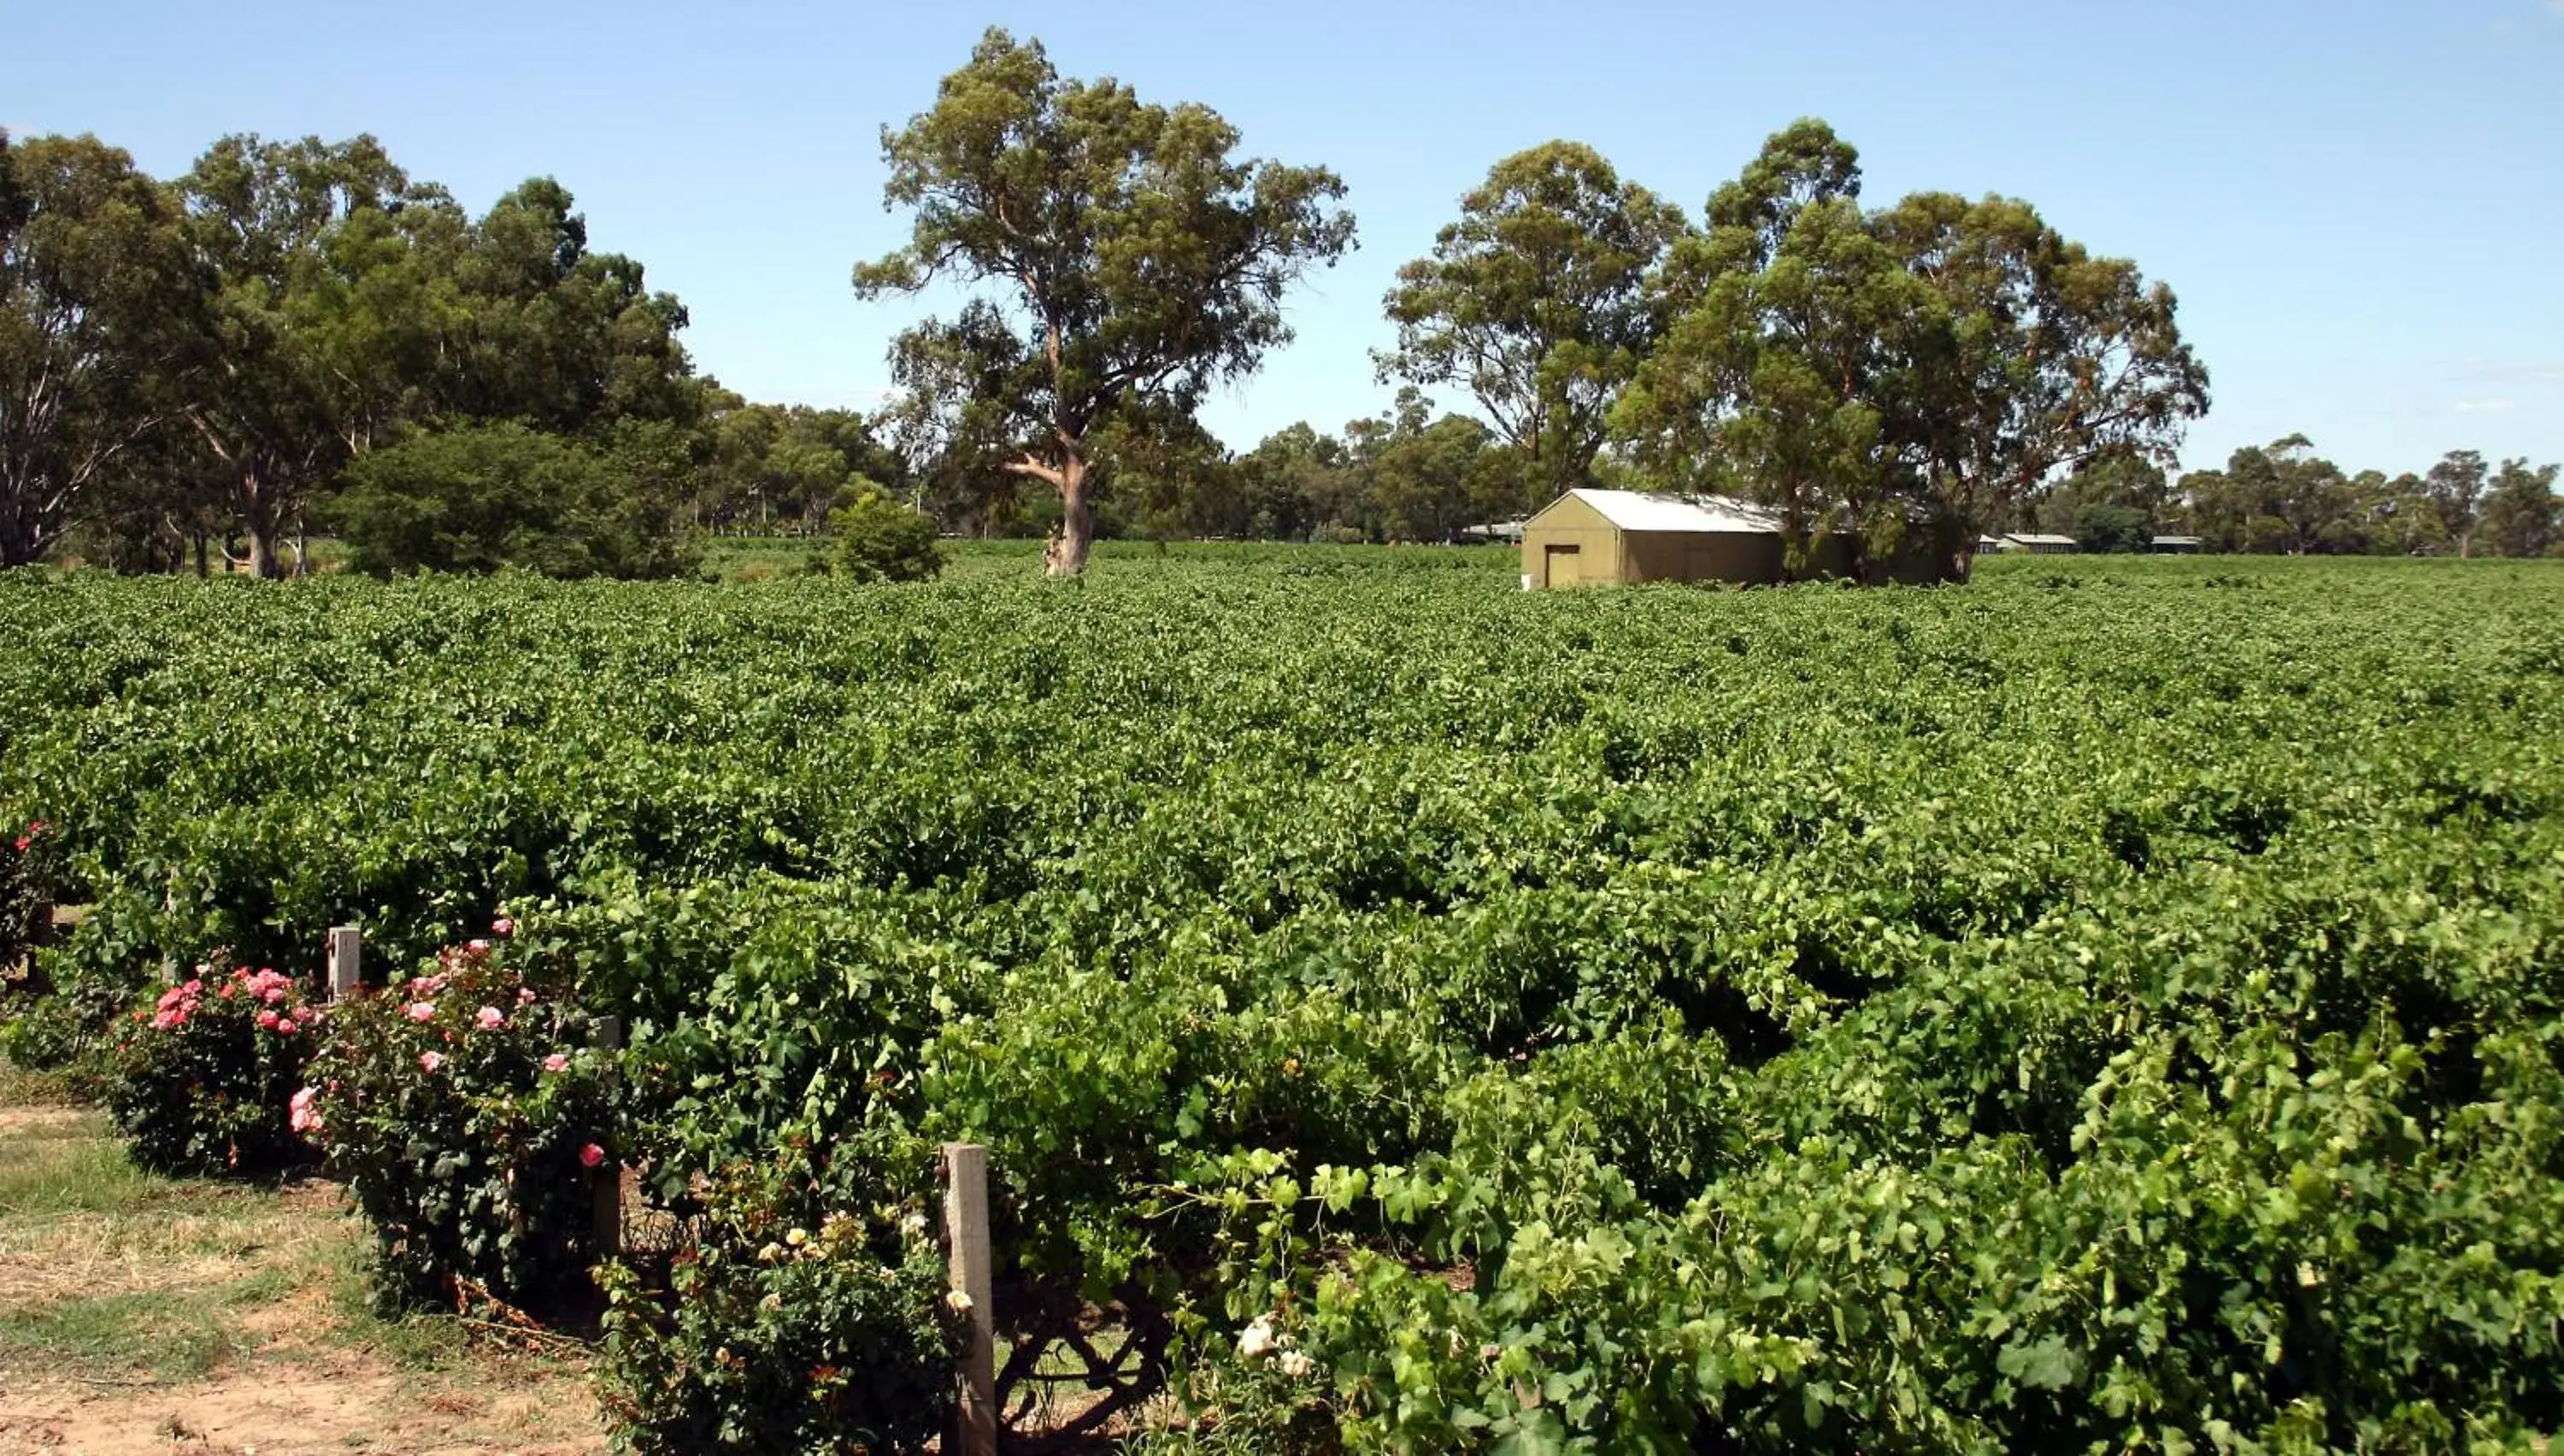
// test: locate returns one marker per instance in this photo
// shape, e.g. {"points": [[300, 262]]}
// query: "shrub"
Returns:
{"points": [[29, 876], [469, 1117], [2101, 528], [882, 539], [484, 497], [807, 1316], [203, 1083]]}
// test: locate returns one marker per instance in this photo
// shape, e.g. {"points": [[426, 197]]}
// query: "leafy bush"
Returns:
{"points": [[30, 876], [882, 539], [805, 1314], [202, 1082], [484, 497], [471, 1120], [2102, 527]]}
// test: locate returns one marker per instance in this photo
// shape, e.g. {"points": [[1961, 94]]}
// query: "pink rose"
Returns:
{"points": [[267, 1020], [421, 1011], [488, 1018], [476, 947], [430, 1061], [556, 1062], [590, 1155], [305, 1120], [285, 1026], [525, 995], [502, 926]]}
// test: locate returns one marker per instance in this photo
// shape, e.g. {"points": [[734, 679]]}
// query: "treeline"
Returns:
{"points": [[1905, 378], [299, 336], [2284, 497]]}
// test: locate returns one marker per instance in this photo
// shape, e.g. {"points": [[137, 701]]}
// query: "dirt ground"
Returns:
{"points": [[143, 1315]]}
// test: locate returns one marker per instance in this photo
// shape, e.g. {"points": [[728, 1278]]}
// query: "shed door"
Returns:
{"points": [[1563, 569]]}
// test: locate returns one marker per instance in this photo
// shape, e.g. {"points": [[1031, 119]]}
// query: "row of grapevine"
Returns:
{"points": [[2108, 1004]]}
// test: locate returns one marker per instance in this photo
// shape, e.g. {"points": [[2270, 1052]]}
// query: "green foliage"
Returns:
{"points": [[882, 539], [203, 1078], [471, 1117], [1904, 376], [804, 1317], [31, 877], [2106, 528], [1535, 300], [2112, 1004], [484, 497], [1141, 257], [95, 293]]}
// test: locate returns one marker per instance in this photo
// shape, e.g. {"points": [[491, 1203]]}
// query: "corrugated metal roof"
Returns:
{"points": [[1719, 514], [2033, 539]]}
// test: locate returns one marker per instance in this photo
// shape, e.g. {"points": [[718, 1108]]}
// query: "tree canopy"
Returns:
{"points": [[1536, 301], [1906, 375], [1133, 258]]}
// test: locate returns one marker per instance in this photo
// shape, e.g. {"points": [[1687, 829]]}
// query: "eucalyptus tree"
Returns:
{"points": [[560, 336], [1131, 258], [334, 293], [2037, 358], [2521, 515], [96, 294], [1789, 319], [1535, 300], [2456, 487], [1908, 376]]}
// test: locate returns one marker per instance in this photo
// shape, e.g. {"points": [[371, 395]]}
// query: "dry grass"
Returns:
{"points": [[144, 1314]]}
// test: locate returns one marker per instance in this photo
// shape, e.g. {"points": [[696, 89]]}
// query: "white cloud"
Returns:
{"points": [[2483, 406]]}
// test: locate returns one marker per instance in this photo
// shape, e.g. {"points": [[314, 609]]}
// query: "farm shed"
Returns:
{"points": [[1590, 535], [2036, 544], [2174, 546]]}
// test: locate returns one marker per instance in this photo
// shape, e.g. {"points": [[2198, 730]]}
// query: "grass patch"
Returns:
{"points": [[22, 1087], [181, 1336], [65, 1166]]}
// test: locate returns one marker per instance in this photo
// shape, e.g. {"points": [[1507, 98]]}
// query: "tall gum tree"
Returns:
{"points": [[2039, 357], [333, 299], [95, 291], [1135, 262], [1909, 374], [1535, 300], [1784, 315]]}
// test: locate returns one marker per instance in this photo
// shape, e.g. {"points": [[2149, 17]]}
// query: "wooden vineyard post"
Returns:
{"points": [[608, 1225], [347, 956], [966, 1223]]}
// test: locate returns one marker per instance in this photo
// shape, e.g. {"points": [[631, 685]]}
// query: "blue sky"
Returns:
{"points": [[2360, 204]]}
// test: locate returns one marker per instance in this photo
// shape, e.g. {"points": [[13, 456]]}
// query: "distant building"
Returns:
{"points": [[1497, 530], [1590, 535], [2037, 544], [2174, 546]]}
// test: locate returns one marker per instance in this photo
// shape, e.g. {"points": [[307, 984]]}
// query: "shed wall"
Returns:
{"points": [[1702, 556], [1569, 522]]}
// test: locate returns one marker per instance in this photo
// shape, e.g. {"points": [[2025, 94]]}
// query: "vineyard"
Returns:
{"points": [[2112, 1004]]}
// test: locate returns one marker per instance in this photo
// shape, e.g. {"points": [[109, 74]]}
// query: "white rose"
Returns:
{"points": [[1257, 1341], [1295, 1364]]}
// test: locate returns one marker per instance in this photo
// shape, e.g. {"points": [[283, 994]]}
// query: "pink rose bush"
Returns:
{"points": [[30, 876], [204, 1073], [470, 1138]]}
